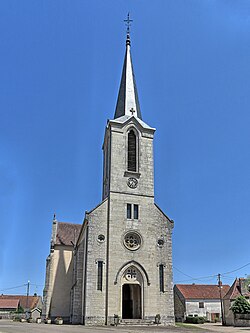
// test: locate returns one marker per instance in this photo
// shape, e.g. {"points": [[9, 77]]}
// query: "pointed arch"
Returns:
{"points": [[132, 150], [141, 269]]}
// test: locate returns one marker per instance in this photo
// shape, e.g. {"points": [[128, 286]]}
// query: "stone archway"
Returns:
{"points": [[132, 296]]}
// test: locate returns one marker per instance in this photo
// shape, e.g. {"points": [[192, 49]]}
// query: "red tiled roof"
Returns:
{"points": [[202, 291], [67, 233], [236, 290], [233, 292], [33, 301], [9, 303]]}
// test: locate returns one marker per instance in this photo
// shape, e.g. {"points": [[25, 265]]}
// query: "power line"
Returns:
{"points": [[36, 285], [193, 278], [205, 280], [209, 276], [227, 277], [183, 272], [235, 270], [23, 285]]}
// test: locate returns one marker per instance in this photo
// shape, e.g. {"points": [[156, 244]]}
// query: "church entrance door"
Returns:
{"points": [[131, 301]]}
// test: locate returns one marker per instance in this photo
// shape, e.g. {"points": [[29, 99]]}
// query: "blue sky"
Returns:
{"points": [[60, 67]]}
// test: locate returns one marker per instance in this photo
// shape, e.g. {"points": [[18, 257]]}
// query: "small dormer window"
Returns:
{"points": [[132, 151]]}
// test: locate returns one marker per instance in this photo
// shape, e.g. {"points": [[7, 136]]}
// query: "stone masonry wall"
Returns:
{"points": [[61, 274], [145, 175], [179, 306], [152, 225], [110, 220], [78, 280], [95, 299]]}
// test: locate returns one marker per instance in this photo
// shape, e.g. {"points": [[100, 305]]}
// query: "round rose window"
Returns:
{"points": [[132, 240]]}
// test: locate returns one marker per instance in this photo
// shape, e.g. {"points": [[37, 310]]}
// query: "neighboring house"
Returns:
{"points": [[8, 305], [198, 300], [12, 303], [238, 288], [35, 313]]}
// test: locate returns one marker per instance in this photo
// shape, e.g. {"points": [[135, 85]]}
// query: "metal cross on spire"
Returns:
{"points": [[128, 23], [132, 111]]}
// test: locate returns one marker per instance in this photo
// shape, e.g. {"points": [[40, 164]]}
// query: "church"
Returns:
{"points": [[118, 262]]}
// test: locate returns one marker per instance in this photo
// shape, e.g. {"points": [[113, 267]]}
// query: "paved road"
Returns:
{"points": [[224, 329], [17, 327]]}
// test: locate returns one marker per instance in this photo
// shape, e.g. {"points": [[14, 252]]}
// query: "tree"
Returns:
{"points": [[246, 284], [241, 305]]}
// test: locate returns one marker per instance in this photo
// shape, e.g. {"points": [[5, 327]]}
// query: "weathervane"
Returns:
{"points": [[128, 23]]}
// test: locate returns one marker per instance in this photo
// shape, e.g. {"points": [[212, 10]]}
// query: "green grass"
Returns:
{"points": [[183, 325]]}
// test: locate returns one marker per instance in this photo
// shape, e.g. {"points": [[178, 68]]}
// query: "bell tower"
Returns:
{"points": [[139, 234], [128, 141]]}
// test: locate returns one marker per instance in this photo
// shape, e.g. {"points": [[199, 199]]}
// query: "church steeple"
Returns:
{"points": [[128, 102]]}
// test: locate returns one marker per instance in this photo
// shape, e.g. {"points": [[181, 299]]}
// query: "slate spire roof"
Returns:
{"points": [[128, 102]]}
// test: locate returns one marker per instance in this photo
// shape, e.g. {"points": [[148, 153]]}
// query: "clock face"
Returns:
{"points": [[132, 182]]}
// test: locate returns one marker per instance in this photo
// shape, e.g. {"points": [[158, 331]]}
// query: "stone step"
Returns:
{"points": [[136, 322]]}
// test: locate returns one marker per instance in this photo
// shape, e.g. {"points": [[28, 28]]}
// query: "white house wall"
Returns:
{"points": [[210, 306]]}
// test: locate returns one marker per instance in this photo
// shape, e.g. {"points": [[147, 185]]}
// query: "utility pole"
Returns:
{"points": [[27, 299], [221, 304]]}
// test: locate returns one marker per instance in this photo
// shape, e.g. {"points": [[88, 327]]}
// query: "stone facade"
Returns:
{"points": [[179, 306], [242, 320], [121, 262], [109, 220]]}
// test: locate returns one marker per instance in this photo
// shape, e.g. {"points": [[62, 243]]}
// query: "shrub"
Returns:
{"points": [[241, 305], [195, 320], [20, 310]]}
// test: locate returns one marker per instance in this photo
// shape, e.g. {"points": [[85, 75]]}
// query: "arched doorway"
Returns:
{"points": [[131, 301], [132, 294]]}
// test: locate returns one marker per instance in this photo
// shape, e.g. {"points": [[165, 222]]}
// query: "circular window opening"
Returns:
{"points": [[130, 274], [160, 242], [132, 241], [101, 238]]}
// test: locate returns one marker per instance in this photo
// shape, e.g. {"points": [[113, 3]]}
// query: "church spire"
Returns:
{"points": [[127, 102]]}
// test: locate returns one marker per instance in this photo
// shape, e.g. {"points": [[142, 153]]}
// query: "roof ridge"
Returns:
{"points": [[71, 223]]}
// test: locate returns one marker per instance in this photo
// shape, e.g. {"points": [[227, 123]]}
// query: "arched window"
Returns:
{"points": [[132, 151], [161, 276]]}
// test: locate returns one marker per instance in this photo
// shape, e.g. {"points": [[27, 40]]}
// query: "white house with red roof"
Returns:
{"points": [[201, 300]]}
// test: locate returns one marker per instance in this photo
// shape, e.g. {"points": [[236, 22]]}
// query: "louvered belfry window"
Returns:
{"points": [[131, 151]]}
